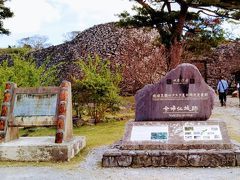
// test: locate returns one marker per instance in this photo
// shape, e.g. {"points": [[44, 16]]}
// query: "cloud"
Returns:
{"points": [[101, 7], [30, 16], [53, 18], [92, 12]]}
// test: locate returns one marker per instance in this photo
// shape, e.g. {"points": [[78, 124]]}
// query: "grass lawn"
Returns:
{"points": [[98, 135]]}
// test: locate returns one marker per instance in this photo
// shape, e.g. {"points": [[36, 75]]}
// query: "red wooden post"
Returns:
{"points": [[62, 108]]}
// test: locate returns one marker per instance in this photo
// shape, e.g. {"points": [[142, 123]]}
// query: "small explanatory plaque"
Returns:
{"points": [[196, 133], [149, 133], [35, 105]]}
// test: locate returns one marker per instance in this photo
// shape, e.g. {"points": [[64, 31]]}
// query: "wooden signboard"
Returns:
{"points": [[35, 107]]}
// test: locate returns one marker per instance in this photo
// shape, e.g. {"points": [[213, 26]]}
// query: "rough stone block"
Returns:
{"points": [[171, 158], [175, 160], [238, 158], [124, 161], [109, 161], [230, 160], [142, 161], [158, 161]]}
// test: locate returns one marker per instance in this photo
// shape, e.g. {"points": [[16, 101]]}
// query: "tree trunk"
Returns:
{"points": [[175, 53], [175, 49]]}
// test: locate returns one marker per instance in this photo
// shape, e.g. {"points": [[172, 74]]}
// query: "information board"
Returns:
{"points": [[149, 133], [196, 133], [35, 105]]}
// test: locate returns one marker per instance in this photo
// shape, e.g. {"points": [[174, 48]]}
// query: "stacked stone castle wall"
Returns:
{"points": [[136, 51]]}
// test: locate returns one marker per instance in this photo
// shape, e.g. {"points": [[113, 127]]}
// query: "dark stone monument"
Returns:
{"points": [[172, 127], [181, 95]]}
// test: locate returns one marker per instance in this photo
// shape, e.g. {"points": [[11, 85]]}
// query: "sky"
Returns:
{"points": [[54, 18]]}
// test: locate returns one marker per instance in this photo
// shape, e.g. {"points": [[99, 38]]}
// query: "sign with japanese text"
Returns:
{"points": [[207, 132], [181, 95]]}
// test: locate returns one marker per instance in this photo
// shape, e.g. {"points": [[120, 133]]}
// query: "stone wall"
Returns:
{"points": [[135, 50], [223, 61], [6, 57], [226, 62], [132, 49], [170, 158]]}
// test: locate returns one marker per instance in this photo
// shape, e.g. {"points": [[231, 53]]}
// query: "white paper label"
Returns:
{"points": [[149, 133], [207, 132]]}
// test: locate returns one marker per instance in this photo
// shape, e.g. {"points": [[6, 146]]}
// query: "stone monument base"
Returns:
{"points": [[171, 158], [171, 143], [40, 149]]}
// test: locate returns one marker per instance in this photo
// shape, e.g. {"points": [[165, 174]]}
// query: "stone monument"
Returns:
{"points": [[171, 127], [38, 107]]}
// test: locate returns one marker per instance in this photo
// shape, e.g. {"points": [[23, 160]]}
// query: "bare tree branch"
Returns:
{"points": [[215, 13], [145, 5]]}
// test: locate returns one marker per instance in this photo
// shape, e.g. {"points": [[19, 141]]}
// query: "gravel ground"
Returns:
{"points": [[91, 169]]}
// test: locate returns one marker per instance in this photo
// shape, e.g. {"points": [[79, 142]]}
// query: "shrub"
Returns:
{"points": [[98, 91], [25, 73], [20, 52]]}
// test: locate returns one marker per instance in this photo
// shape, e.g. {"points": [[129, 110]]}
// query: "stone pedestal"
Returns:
{"points": [[170, 143], [171, 158], [40, 149], [171, 126]]}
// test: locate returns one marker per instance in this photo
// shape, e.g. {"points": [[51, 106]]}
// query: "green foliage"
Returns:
{"points": [[99, 135], [4, 13], [98, 90], [25, 73], [153, 19], [170, 17], [203, 35], [21, 52]]}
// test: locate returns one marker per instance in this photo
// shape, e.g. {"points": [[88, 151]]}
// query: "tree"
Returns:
{"points": [[142, 62], [169, 17], [4, 13], [98, 90], [36, 42], [202, 36], [25, 73]]}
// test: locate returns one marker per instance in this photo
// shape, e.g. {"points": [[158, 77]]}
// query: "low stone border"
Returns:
{"points": [[171, 158]]}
